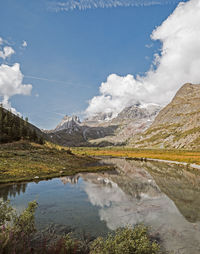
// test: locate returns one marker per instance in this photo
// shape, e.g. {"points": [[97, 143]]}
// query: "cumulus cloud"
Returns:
{"points": [[6, 52], [177, 63], [24, 44], [69, 5], [11, 83], [11, 78]]}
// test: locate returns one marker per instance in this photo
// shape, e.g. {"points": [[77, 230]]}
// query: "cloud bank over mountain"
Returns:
{"points": [[177, 63]]}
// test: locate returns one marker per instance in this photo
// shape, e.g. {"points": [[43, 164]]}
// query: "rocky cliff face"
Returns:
{"points": [[177, 125]]}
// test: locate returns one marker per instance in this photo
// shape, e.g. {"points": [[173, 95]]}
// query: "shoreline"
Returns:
{"points": [[192, 165], [179, 157], [36, 179]]}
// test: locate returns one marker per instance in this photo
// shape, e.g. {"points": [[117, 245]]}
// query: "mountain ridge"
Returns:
{"points": [[177, 125]]}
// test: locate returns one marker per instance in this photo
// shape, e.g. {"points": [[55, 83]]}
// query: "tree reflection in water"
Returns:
{"points": [[8, 191]]}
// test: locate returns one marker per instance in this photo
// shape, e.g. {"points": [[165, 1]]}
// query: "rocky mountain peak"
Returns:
{"points": [[100, 117], [73, 118], [185, 105], [68, 122], [138, 111], [187, 92]]}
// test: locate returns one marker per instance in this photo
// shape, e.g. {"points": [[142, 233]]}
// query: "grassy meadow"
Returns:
{"points": [[25, 161], [162, 154]]}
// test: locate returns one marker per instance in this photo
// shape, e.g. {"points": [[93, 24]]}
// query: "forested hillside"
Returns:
{"points": [[14, 128]]}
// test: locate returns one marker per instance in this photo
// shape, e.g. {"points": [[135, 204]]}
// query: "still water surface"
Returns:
{"points": [[164, 196]]}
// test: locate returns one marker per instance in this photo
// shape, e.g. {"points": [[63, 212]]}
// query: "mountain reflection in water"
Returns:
{"points": [[164, 196]]}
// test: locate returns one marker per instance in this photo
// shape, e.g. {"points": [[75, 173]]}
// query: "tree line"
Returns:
{"points": [[15, 128]]}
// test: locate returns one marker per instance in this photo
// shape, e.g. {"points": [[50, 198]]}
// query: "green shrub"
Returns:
{"points": [[6, 213], [25, 222], [16, 230], [126, 241]]}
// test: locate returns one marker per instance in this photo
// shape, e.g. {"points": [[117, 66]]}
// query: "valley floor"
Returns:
{"points": [[190, 157], [24, 161]]}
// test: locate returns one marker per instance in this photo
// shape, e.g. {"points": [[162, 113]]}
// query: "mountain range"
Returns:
{"points": [[102, 129], [177, 125]]}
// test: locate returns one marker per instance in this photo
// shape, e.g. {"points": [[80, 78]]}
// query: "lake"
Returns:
{"points": [[164, 196]]}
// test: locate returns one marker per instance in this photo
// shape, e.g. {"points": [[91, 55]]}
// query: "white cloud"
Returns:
{"points": [[149, 45], [24, 44], [177, 64], [11, 78], [11, 83], [6, 52], [69, 5], [7, 105]]}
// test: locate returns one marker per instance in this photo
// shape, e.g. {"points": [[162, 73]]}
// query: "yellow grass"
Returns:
{"points": [[173, 155]]}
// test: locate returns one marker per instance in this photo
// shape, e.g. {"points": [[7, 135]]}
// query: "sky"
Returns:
{"points": [[83, 57]]}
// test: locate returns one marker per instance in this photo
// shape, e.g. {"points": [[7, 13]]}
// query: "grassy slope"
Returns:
{"points": [[22, 161], [173, 155]]}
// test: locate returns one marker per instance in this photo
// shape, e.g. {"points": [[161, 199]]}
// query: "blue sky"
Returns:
{"points": [[70, 53]]}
